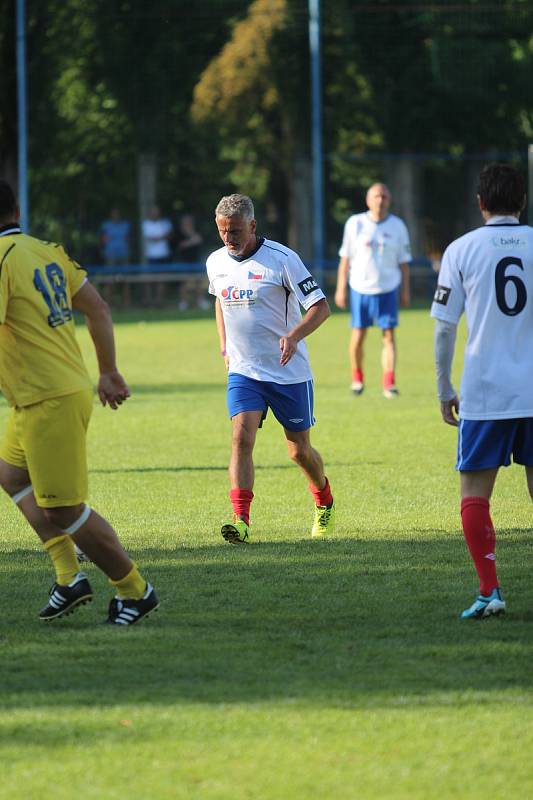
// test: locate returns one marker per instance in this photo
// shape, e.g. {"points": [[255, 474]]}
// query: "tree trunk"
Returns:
{"points": [[146, 191], [404, 179], [300, 227]]}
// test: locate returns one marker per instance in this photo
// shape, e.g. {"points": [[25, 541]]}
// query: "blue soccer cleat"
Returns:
{"points": [[483, 606]]}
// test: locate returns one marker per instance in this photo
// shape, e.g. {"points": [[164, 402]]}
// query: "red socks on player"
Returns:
{"points": [[357, 376], [481, 540], [241, 500], [323, 497], [388, 379]]}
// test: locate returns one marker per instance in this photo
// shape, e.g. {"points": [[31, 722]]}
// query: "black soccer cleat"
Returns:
{"points": [[128, 612], [64, 600]]}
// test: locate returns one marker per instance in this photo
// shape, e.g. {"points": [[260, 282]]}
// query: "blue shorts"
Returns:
{"points": [[291, 403], [487, 444], [370, 308]]}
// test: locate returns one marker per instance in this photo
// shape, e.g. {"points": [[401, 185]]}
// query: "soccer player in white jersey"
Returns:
{"points": [[488, 275], [374, 262], [259, 286]]}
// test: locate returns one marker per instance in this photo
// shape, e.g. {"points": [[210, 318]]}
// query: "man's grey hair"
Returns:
{"points": [[236, 205]]}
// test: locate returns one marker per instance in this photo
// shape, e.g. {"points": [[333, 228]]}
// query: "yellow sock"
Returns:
{"points": [[61, 551], [132, 586]]}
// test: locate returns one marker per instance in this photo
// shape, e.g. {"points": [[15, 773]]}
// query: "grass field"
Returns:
{"points": [[290, 668]]}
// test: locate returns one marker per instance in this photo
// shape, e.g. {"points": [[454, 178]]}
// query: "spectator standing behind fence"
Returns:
{"points": [[374, 262], [115, 249], [157, 232], [188, 251]]}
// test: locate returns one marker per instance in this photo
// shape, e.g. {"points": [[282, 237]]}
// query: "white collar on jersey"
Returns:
{"points": [[500, 220], [13, 227]]}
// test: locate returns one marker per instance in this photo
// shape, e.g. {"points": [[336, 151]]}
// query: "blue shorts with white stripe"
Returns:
{"points": [[488, 444]]}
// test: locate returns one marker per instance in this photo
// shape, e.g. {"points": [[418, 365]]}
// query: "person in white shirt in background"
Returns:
{"points": [[374, 264], [157, 232], [488, 275], [259, 287]]}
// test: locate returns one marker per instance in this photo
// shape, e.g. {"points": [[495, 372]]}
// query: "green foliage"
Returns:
{"points": [[219, 92]]}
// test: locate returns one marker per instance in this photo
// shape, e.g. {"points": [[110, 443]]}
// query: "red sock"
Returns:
{"points": [[241, 500], [357, 376], [323, 497], [388, 379], [481, 540]]}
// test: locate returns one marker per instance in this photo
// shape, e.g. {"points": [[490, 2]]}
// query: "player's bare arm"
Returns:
{"points": [[405, 291], [341, 292], [221, 328], [112, 388], [313, 318]]}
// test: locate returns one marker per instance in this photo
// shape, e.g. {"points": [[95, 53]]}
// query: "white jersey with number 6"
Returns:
{"points": [[488, 274]]}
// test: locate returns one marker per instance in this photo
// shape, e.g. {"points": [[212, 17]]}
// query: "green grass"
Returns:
{"points": [[289, 668]]}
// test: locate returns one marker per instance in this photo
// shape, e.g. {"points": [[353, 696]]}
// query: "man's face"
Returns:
{"points": [[378, 201], [237, 234]]}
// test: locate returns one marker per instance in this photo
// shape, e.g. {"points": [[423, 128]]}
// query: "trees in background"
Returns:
{"points": [[215, 95]]}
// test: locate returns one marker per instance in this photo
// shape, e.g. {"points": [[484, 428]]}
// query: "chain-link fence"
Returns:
{"points": [[172, 103]]}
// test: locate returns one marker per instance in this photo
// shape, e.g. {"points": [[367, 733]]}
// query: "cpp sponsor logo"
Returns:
{"points": [[234, 293]]}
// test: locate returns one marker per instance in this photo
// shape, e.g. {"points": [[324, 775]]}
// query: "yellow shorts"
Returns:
{"points": [[48, 440]]}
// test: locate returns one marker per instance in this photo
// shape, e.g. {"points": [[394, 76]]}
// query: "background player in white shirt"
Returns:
{"points": [[374, 262], [157, 232], [259, 286], [488, 274]]}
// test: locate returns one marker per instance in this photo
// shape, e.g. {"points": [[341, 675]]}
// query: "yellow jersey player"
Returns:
{"points": [[43, 464]]}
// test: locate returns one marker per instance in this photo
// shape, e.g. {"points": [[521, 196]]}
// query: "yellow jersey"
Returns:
{"points": [[39, 355]]}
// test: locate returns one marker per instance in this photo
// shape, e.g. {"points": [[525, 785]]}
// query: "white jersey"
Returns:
{"points": [[375, 251], [260, 297], [154, 245], [488, 274]]}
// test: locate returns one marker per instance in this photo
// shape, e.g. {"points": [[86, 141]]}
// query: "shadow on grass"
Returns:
{"points": [[175, 388], [136, 316], [224, 468], [349, 623]]}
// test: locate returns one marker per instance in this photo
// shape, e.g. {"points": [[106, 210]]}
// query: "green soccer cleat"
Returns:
{"points": [[324, 521], [236, 532]]}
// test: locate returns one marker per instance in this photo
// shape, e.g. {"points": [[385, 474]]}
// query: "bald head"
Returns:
{"points": [[378, 200]]}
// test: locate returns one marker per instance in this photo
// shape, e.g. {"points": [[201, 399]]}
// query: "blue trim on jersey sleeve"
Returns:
{"points": [[285, 252]]}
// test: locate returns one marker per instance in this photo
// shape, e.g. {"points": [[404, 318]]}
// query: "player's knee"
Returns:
{"points": [[67, 517], [299, 452], [242, 439], [12, 484]]}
